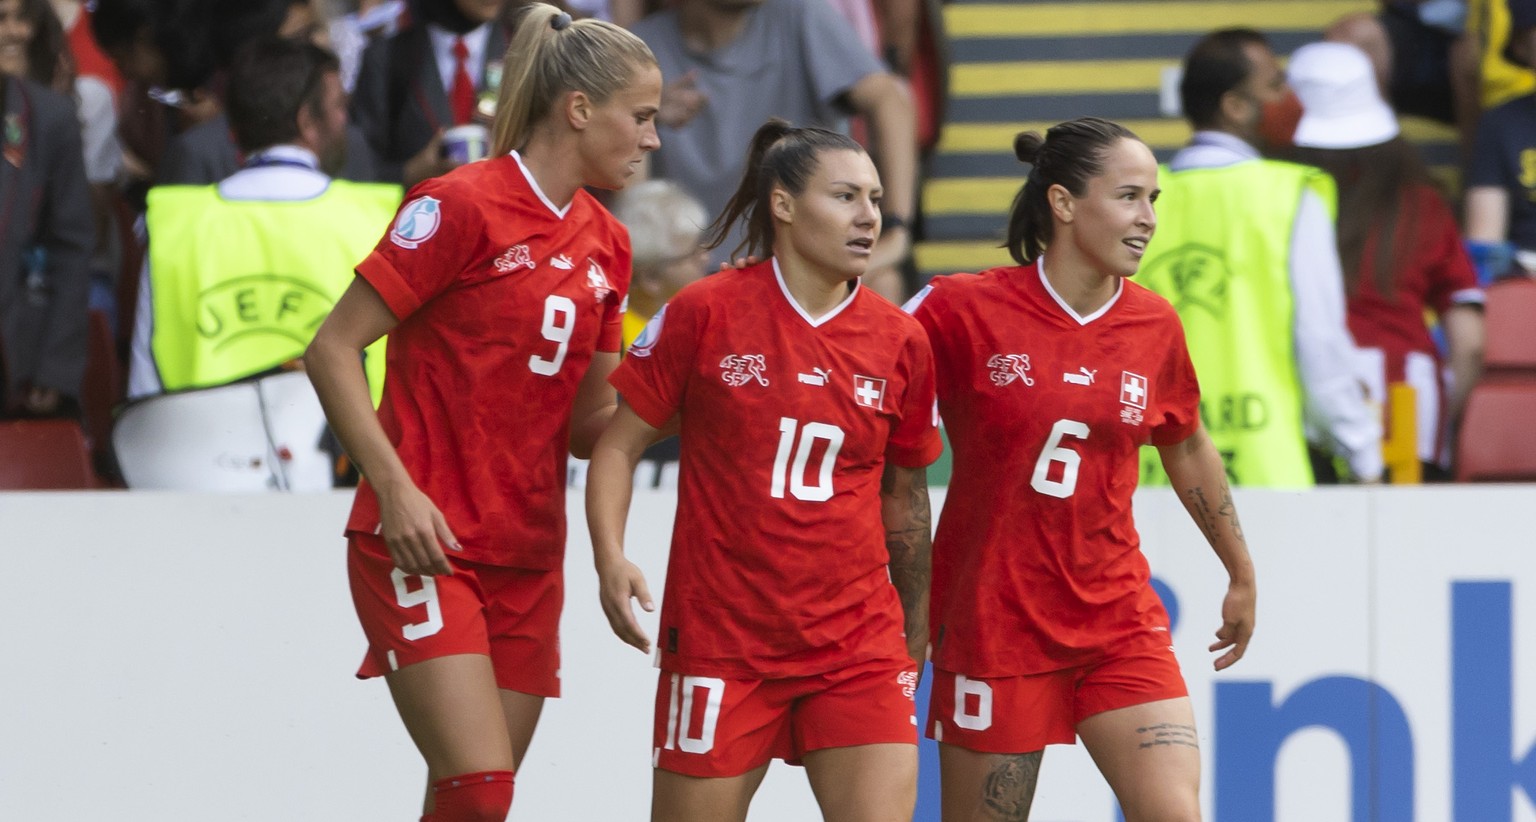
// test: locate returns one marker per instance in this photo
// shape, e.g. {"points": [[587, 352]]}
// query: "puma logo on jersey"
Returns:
{"points": [[740, 369], [514, 258], [819, 378], [562, 262], [1084, 378], [1009, 368]]}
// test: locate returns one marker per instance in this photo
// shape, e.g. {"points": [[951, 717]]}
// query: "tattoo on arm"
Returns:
{"points": [[910, 544], [1010, 786], [1200, 508], [1228, 510], [1167, 733]]}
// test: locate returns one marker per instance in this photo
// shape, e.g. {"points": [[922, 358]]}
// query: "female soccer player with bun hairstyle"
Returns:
{"points": [[501, 287], [1052, 375], [797, 589]]}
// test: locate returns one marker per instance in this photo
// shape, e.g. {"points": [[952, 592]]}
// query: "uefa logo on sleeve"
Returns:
{"points": [[417, 222], [647, 340]]}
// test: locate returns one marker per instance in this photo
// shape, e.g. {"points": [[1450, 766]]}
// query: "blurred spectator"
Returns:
{"points": [[206, 153], [240, 274], [1245, 250], [732, 64], [1501, 192], [90, 60], [1412, 45], [165, 53], [1399, 243], [666, 231], [46, 230], [1503, 71], [1501, 185], [440, 72], [356, 23]]}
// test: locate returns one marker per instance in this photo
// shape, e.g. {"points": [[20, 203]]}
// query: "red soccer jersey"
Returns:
{"points": [[778, 564], [1037, 565], [502, 300]]}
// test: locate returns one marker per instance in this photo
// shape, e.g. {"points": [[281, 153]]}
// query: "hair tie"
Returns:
{"points": [[560, 22]]}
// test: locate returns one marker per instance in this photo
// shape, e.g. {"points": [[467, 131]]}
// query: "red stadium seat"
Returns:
{"points": [[1497, 442], [1510, 319], [44, 455], [1498, 433]]}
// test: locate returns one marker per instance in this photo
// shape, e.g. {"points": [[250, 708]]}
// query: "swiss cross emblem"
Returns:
{"points": [[1133, 396], [869, 392], [1133, 390]]}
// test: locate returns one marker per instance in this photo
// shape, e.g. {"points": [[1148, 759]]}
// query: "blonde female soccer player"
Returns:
{"points": [[501, 287]]}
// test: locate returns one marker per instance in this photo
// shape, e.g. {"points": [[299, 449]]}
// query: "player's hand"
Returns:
{"points": [[415, 532], [429, 162], [891, 249], [917, 648], [681, 100], [739, 263], [1237, 619], [617, 584]]}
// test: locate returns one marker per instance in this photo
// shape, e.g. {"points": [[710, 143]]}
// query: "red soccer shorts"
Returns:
{"points": [[1022, 714], [511, 615], [711, 727]]}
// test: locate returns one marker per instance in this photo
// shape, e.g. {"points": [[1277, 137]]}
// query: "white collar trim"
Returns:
{"points": [[534, 184], [1081, 320], [793, 303]]}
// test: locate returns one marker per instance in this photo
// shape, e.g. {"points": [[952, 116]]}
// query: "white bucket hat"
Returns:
{"points": [[1341, 106]]}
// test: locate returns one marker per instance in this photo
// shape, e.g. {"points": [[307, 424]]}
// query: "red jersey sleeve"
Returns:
{"points": [[915, 441], [653, 377], [436, 234], [611, 337], [1176, 414]]}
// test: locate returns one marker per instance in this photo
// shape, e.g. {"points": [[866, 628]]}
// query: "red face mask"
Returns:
{"points": [[1278, 119]]}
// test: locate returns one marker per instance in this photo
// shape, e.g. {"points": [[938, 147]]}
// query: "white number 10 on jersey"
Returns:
{"points": [[789, 429]]}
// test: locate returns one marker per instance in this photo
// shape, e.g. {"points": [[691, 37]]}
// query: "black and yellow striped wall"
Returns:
{"points": [[1028, 65]]}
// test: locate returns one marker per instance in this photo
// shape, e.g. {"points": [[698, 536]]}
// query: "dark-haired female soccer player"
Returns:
{"points": [[1051, 376], [796, 601]]}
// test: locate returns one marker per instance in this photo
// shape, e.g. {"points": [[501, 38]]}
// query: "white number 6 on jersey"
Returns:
{"points": [[1055, 452]]}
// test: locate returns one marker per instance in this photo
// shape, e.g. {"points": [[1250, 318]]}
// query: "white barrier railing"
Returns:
{"points": [[190, 657]]}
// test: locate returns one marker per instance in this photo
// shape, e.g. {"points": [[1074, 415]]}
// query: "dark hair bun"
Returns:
{"points": [[1027, 145]]}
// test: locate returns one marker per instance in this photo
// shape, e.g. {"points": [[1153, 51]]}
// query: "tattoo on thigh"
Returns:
{"points": [[1010, 787], [1167, 733]]}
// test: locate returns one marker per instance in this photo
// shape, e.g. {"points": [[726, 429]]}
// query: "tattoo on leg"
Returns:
{"points": [[1010, 787], [1167, 733]]}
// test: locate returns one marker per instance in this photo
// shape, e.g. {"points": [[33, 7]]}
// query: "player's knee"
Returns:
{"points": [[485, 796]]}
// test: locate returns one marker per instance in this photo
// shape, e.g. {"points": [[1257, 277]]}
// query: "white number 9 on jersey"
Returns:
{"points": [[559, 322]]}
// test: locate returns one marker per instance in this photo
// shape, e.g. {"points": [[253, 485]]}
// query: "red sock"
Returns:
{"points": [[485, 796]]}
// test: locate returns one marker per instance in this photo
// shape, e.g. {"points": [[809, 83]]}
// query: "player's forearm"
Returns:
{"points": [[610, 488], [908, 518], [1196, 472], [594, 406], [887, 102]]}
